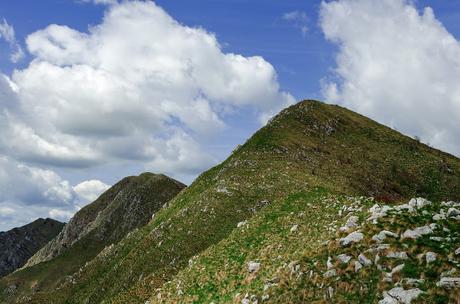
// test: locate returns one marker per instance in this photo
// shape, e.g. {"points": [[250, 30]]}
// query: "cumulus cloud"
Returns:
{"points": [[397, 65], [90, 190], [7, 33], [139, 86], [299, 19], [30, 192]]}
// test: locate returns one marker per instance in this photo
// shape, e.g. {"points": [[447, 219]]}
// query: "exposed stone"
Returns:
{"points": [[378, 212], [397, 255], [453, 213], [294, 228], [457, 251], [430, 257], [417, 232], [253, 267], [330, 273], [449, 283], [344, 258], [241, 224], [364, 260], [358, 266], [448, 273], [353, 237], [351, 223], [419, 202], [380, 237], [399, 295], [329, 263]]}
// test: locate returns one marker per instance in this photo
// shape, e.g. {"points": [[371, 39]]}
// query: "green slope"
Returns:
{"points": [[309, 152]]}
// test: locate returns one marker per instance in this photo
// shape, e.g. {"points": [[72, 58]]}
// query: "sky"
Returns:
{"points": [[92, 91]]}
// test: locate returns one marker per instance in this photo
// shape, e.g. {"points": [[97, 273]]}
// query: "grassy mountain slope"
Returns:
{"points": [[306, 147], [19, 244], [126, 206], [308, 155]]}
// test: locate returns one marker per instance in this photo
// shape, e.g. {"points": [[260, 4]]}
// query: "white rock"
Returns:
{"points": [[397, 255], [449, 283], [351, 223], [380, 237], [397, 269], [329, 264], [241, 224], [294, 228], [407, 207], [358, 266], [436, 238], [378, 212], [330, 273], [419, 202], [430, 257], [417, 232], [364, 260], [453, 213], [344, 258], [353, 237], [399, 295], [457, 251], [439, 216], [448, 273], [253, 266]]}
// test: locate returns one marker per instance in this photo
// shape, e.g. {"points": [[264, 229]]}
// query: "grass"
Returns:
{"points": [[305, 161]]}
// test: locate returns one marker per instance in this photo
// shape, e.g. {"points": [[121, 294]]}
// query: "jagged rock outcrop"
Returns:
{"points": [[19, 244], [127, 205]]}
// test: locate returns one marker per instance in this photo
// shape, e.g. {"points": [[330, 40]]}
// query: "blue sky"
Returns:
{"points": [[305, 49]]}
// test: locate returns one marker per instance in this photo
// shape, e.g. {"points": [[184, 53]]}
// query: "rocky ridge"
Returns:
{"points": [[19, 244]]}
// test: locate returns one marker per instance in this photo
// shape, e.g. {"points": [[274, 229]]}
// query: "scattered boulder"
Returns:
{"points": [[241, 224], [419, 203], [358, 266], [253, 267], [294, 228], [453, 213], [400, 295], [417, 232], [381, 236], [378, 212], [430, 257], [397, 255], [330, 273], [344, 258], [353, 237], [449, 283], [362, 259], [351, 223]]}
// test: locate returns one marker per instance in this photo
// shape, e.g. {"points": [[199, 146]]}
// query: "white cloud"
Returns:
{"points": [[89, 191], [137, 87], [103, 2], [7, 33], [61, 215], [397, 65], [29, 192], [299, 19]]}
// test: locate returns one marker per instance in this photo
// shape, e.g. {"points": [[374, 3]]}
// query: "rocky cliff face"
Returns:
{"points": [[127, 205], [19, 244]]}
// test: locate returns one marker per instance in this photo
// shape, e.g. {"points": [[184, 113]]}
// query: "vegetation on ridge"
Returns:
{"points": [[309, 154]]}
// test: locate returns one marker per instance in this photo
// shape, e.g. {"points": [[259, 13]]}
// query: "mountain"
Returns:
{"points": [[261, 225], [19, 244], [127, 205]]}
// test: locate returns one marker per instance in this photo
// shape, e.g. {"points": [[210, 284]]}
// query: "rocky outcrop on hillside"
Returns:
{"points": [[19, 244], [127, 205]]}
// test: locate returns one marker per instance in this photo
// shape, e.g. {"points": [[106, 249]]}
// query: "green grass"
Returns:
{"points": [[284, 168]]}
